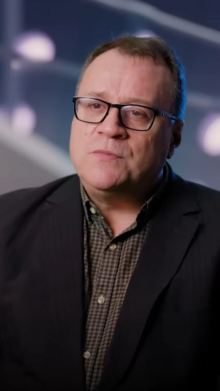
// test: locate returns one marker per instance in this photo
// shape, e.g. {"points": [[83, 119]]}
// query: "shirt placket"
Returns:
{"points": [[100, 299]]}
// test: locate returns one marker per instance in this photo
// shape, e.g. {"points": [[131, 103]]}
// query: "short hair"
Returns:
{"points": [[155, 48]]}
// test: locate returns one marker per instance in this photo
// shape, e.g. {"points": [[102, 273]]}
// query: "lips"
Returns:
{"points": [[104, 152], [105, 156]]}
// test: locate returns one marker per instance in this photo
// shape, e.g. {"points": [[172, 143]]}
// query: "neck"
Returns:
{"points": [[120, 207]]}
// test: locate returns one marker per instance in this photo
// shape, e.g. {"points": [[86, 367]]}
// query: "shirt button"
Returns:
{"points": [[92, 210], [86, 354], [101, 299], [113, 246]]}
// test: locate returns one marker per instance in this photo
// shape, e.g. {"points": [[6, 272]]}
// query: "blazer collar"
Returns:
{"points": [[172, 229], [62, 256]]}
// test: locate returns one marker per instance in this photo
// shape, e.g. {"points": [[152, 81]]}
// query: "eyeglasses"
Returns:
{"points": [[132, 116]]}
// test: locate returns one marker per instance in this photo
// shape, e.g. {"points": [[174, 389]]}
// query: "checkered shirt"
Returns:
{"points": [[108, 266]]}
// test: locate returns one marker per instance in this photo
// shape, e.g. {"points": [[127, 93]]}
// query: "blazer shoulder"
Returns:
{"points": [[207, 198], [204, 191], [18, 201]]}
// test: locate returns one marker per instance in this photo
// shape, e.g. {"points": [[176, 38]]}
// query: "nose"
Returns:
{"points": [[112, 125]]}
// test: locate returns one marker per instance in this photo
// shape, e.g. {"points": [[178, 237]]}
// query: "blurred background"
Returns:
{"points": [[43, 44]]}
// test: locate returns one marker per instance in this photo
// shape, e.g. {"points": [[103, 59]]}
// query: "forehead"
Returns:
{"points": [[119, 76]]}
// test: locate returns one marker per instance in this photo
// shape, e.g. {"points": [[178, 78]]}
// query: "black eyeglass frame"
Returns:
{"points": [[157, 113]]}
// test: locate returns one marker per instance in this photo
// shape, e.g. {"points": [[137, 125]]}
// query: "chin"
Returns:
{"points": [[100, 179]]}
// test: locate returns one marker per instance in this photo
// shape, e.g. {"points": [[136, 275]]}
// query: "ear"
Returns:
{"points": [[176, 138]]}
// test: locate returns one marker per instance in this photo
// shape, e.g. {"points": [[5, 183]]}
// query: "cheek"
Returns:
{"points": [[158, 142], [143, 146], [77, 144], [150, 149]]}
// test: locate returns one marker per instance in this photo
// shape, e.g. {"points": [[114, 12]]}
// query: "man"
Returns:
{"points": [[109, 279]]}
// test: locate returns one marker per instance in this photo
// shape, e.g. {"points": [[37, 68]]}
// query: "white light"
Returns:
{"points": [[145, 34], [35, 46], [23, 120], [209, 135]]}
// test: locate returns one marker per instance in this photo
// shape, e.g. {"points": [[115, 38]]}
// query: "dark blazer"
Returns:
{"points": [[167, 335]]}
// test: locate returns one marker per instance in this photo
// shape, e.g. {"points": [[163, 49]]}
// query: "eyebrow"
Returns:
{"points": [[96, 94], [132, 100]]}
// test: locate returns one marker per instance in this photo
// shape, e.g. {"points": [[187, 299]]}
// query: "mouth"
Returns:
{"points": [[106, 155]]}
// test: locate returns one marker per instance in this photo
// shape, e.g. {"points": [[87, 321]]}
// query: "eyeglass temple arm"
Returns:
{"points": [[166, 114]]}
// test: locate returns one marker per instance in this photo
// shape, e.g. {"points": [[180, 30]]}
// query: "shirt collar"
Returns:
{"points": [[149, 207], [86, 202], [146, 210]]}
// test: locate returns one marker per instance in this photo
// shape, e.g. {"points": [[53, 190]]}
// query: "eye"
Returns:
{"points": [[137, 113], [96, 105]]}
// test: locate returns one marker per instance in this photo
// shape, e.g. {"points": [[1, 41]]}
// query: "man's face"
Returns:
{"points": [[138, 156]]}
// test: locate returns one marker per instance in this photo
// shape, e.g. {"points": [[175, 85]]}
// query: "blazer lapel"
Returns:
{"points": [[62, 257], [171, 232]]}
